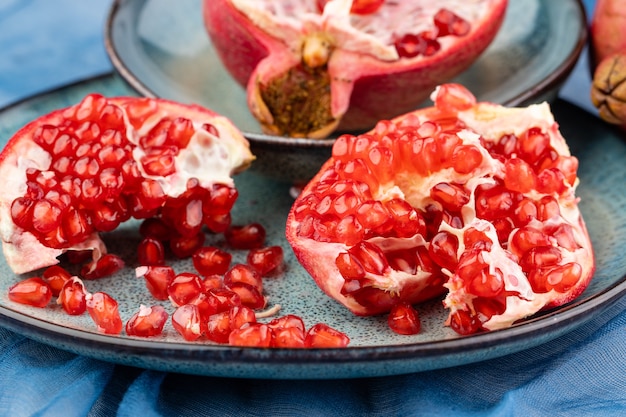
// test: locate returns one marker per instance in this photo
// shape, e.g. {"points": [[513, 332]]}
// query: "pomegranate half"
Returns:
{"points": [[82, 170], [470, 199], [311, 67]]}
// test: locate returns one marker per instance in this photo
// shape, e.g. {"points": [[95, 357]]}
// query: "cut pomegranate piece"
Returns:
{"points": [[147, 322], [103, 310], [83, 170], [459, 206], [32, 291], [311, 67]]}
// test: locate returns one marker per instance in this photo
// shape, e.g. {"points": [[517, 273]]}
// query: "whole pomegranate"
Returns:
{"points": [[313, 66], [76, 172], [608, 60], [470, 199]]}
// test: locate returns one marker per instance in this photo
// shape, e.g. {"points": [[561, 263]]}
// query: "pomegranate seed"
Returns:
{"points": [[184, 247], [56, 276], [462, 322], [240, 315], [249, 236], [73, 297], [267, 260], [105, 266], [288, 337], [403, 319], [184, 287], [443, 250], [243, 273], [188, 323], [251, 334], [485, 284], [147, 322], [449, 23], [158, 278], [103, 310], [349, 266], [519, 176], [222, 299], [211, 282], [322, 335], [249, 295], [32, 291], [151, 252], [287, 321], [451, 196], [155, 228], [218, 327], [210, 260], [220, 200], [563, 278]]}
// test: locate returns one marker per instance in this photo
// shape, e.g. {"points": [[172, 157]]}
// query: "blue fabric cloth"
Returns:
{"points": [[44, 44]]}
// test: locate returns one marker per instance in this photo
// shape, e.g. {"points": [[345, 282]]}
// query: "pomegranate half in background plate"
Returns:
{"points": [[169, 55]]}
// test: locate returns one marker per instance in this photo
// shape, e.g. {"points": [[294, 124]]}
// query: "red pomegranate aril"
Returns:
{"points": [[243, 273], [184, 288], [527, 238], [486, 283], [525, 212], [564, 235], [158, 278], [540, 257], [322, 335], [222, 299], [105, 266], [56, 276], [218, 327], [464, 323], [211, 282], [519, 176], [562, 278], [184, 247], [220, 200], [287, 321], [451, 196], [103, 310], [407, 222], [476, 239], [188, 322], [210, 260], [72, 297], [33, 291], [151, 252], [548, 208], [147, 322], [448, 23], [288, 337], [249, 295], [486, 308], [443, 250], [370, 256], [349, 266], [403, 319], [251, 334], [155, 228], [240, 315], [249, 236], [533, 144], [358, 6], [267, 260]]}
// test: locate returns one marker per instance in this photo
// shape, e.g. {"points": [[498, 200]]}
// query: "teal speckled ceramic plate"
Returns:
{"points": [[374, 349]]}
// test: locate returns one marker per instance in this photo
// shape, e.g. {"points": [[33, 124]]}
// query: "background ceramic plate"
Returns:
{"points": [[164, 51], [374, 349]]}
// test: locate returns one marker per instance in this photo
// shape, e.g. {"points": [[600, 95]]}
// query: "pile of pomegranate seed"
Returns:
{"points": [[220, 302]]}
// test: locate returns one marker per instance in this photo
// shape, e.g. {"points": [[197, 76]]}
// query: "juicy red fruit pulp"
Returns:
{"points": [[428, 203]]}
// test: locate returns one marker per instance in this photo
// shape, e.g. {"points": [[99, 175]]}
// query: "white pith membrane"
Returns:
{"points": [[210, 159], [294, 21], [491, 122]]}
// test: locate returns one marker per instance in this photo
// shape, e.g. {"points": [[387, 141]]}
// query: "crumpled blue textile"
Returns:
{"points": [[582, 373]]}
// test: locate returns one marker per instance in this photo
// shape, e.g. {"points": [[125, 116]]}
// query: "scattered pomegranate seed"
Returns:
{"points": [[251, 334], [323, 336], [103, 310], [151, 252], [403, 319], [210, 260], [107, 265], [147, 322], [73, 297], [56, 276], [248, 236], [158, 278], [266, 260], [187, 321], [243, 273], [184, 287], [218, 327], [32, 291]]}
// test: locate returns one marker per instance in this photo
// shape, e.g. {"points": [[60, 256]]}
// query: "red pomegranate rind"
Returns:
{"points": [[472, 199], [79, 171], [357, 56]]}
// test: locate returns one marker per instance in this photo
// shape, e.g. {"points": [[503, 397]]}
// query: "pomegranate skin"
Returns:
{"points": [[607, 30], [363, 88]]}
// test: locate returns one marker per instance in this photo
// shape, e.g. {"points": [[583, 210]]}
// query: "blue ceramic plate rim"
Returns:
{"points": [[538, 91], [217, 360]]}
